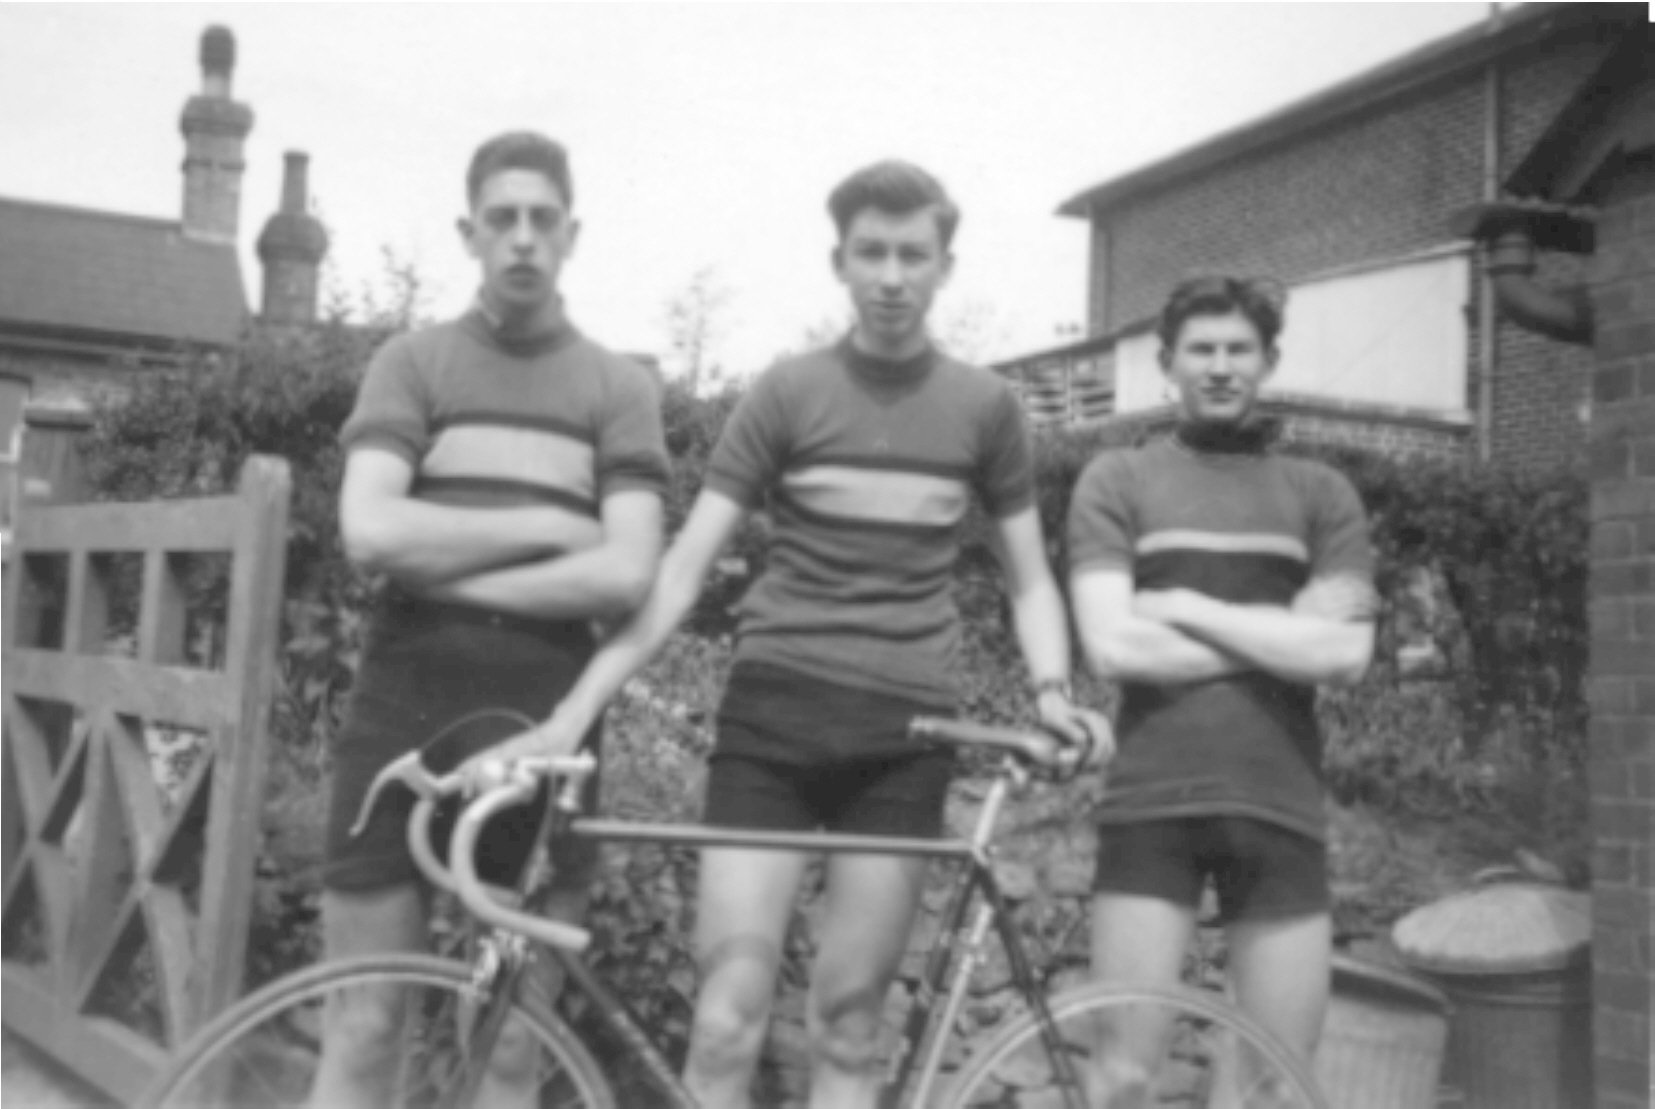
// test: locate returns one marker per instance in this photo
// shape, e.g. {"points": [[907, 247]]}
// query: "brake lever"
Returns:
{"points": [[411, 772]]}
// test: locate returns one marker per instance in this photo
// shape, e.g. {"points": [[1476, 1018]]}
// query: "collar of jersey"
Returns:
{"points": [[486, 325], [885, 369]]}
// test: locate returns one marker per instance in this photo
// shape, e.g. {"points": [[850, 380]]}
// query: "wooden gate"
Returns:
{"points": [[140, 660]]}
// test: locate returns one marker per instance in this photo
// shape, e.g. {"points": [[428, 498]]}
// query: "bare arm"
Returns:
{"points": [[1123, 644], [1042, 629], [609, 579], [418, 543], [1304, 644], [712, 520]]}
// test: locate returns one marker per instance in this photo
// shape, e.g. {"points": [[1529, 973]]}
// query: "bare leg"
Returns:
{"points": [[745, 901], [871, 900], [514, 1067], [360, 1048], [1280, 970], [1140, 941]]}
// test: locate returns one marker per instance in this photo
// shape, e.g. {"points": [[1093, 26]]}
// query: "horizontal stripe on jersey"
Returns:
{"points": [[868, 471], [532, 456], [1218, 542], [556, 420], [887, 495]]}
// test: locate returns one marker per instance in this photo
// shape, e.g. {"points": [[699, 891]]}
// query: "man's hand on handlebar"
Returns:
{"points": [[1087, 735], [551, 739]]}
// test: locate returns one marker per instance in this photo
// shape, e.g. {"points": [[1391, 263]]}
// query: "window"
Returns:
{"points": [[1391, 334]]}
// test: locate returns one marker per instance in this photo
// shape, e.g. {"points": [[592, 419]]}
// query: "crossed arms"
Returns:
{"points": [[531, 561], [1170, 637]]}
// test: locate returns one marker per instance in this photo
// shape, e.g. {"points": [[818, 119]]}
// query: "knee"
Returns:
{"points": [[844, 1030], [364, 1026], [728, 1032], [516, 1054]]}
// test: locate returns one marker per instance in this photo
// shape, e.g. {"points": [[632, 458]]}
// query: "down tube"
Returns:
{"points": [[619, 1018]]}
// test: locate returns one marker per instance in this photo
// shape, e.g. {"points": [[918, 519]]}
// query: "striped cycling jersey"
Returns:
{"points": [[868, 469], [1246, 528], [555, 420]]}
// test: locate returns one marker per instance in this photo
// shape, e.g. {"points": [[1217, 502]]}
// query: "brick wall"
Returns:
{"points": [[1375, 185], [1622, 682]]}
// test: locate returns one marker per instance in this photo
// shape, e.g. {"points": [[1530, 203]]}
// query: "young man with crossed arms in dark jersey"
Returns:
{"points": [[1219, 583], [867, 454], [505, 475]]}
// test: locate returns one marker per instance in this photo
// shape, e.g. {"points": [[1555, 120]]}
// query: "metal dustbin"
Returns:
{"points": [[1383, 1040], [1514, 960]]}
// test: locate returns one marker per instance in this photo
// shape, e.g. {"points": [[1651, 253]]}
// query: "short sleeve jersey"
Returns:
{"points": [[556, 420], [1246, 529], [868, 470]]}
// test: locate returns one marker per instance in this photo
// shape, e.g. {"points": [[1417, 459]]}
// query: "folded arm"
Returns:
{"points": [[418, 543], [1323, 639], [1123, 644], [608, 579]]}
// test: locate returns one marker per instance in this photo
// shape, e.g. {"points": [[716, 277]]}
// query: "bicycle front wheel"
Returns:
{"points": [[264, 1052], [1135, 1047]]}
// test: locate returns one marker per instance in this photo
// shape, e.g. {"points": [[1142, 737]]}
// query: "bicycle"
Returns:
{"points": [[1089, 1045]]}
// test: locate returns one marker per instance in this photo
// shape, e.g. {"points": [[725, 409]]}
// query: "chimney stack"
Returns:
{"points": [[291, 246], [214, 127]]}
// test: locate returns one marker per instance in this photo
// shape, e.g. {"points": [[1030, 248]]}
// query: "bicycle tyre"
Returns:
{"points": [[268, 1041], [1014, 1070]]}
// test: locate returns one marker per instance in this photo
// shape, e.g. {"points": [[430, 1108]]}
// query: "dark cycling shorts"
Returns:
{"points": [[1261, 871], [426, 667], [796, 753]]}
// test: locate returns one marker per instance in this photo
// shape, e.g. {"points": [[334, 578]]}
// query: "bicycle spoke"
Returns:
{"points": [[266, 1053], [1139, 1050]]}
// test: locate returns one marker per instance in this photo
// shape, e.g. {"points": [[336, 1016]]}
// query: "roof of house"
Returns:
{"points": [[1612, 114], [107, 274], [1463, 50]]}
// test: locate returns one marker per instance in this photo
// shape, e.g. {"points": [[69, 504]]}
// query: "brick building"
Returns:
{"points": [[87, 298], [1346, 197], [1588, 189]]}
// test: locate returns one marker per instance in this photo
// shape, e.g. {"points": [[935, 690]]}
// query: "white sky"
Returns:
{"points": [[702, 135]]}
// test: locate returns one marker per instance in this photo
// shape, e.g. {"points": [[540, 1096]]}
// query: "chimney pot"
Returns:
{"points": [[295, 187]]}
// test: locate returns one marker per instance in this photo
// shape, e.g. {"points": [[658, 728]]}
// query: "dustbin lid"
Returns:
{"points": [[1505, 928], [1358, 978]]}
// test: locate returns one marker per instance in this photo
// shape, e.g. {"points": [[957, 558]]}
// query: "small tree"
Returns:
{"points": [[695, 321]]}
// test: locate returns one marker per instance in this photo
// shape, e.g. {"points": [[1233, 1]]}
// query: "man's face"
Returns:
{"points": [[521, 231], [1217, 366], [893, 266]]}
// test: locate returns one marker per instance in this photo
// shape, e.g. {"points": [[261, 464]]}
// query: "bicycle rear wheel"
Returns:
{"points": [[1139, 1048], [262, 1053]]}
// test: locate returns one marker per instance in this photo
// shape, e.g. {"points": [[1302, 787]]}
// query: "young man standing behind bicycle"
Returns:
{"points": [[868, 454], [505, 475], [1219, 583]]}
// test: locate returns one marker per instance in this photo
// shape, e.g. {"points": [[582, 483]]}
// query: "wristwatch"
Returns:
{"points": [[1055, 685]]}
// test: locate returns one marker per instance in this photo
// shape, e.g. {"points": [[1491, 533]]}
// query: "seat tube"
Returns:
{"points": [[969, 959]]}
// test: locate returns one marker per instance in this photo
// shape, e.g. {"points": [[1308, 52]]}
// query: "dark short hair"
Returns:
{"points": [[895, 187], [519, 150], [1261, 300]]}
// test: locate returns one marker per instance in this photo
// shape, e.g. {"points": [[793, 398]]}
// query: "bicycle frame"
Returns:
{"points": [[923, 1040]]}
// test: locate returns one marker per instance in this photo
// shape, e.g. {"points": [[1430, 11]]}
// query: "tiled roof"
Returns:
{"points": [[108, 274]]}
